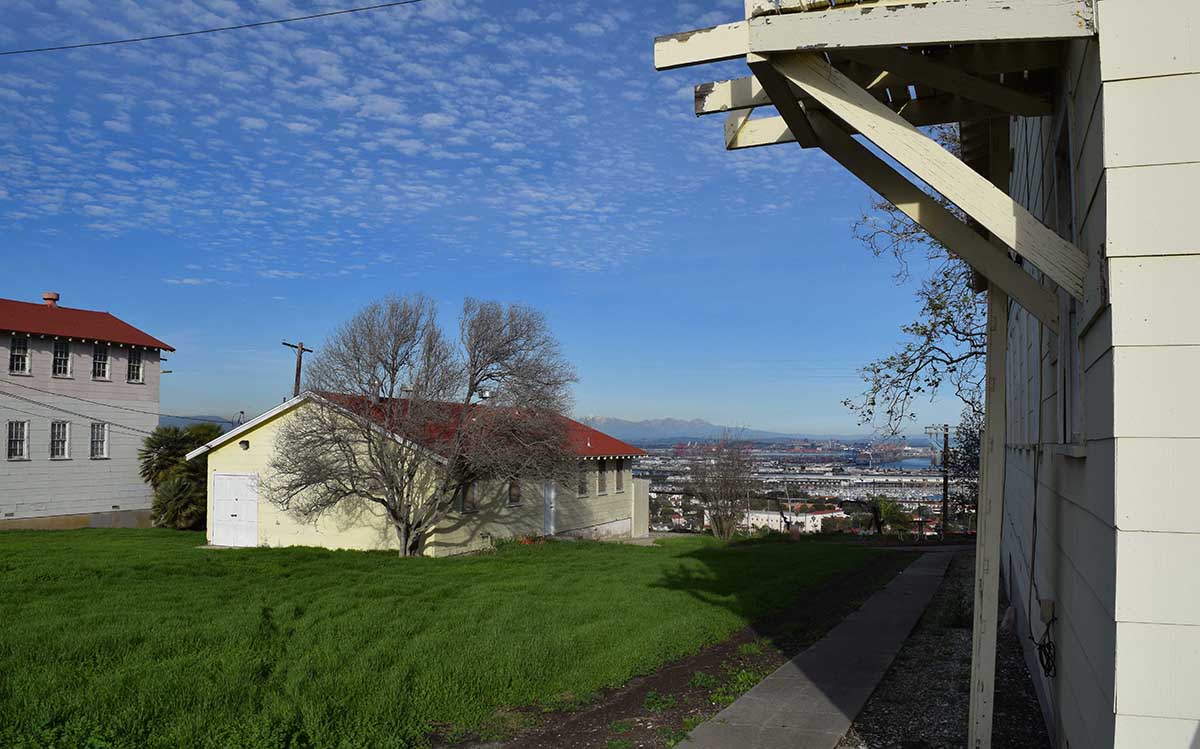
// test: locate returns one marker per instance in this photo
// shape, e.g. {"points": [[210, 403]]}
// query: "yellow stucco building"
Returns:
{"points": [[606, 503]]}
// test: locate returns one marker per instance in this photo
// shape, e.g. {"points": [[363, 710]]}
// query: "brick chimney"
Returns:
{"points": [[50, 298]]}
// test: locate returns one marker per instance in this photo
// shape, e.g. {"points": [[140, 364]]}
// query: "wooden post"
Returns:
{"points": [[300, 352], [990, 517]]}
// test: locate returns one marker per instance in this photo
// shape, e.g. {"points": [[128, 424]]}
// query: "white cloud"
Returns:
{"points": [[438, 119], [252, 123]]}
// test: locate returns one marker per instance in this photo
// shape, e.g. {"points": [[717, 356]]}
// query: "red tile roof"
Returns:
{"points": [[583, 441], [42, 319]]}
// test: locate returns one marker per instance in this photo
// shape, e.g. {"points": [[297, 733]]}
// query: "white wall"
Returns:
{"points": [[1118, 521], [43, 488]]}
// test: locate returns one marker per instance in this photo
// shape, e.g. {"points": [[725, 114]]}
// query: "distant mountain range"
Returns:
{"points": [[187, 421], [659, 430]]}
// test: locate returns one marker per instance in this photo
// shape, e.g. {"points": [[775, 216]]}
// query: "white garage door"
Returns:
{"points": [[235, 509]]}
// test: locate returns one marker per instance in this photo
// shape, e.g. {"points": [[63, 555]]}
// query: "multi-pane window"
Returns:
{"points": [[135, 366], [18, 440], [60, 439], [18, 355], [468, 497], [99, 440], [620, 466], [583, 480], [62, 359], [100, 361], [601, 477], [514, 491]]}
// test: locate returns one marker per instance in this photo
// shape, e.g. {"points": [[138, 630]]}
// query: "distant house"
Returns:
{"points": [[78, 393], [605, 501]]}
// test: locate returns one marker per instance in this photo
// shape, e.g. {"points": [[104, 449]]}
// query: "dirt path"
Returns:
{"points": [[659, 709]]}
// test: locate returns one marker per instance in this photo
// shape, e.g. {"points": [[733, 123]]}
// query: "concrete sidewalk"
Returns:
{"points": [[810, 701]]}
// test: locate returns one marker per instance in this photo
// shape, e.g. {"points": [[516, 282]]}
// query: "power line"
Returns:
{"points": [[75, 413], [119, 408], [175, 35]]}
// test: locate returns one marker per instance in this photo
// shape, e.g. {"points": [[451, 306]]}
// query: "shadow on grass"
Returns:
{"points": [[812, 588]]}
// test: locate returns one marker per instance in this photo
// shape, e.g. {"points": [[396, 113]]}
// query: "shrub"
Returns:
{"points": [[180, 503]]}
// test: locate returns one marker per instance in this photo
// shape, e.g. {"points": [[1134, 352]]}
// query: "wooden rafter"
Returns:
{"points": [[779, 89], [978, 198], [933, 110], [944, 77]]}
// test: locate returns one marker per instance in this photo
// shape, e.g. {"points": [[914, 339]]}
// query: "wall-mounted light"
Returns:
{"points": [[244, 444]]}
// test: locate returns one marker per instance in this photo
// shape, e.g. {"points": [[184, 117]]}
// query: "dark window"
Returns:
{"points": [[620, 483], [18, 355], [468, 498], [583, 479], [601, 477], [60, 432], [134, 373], [62, 359], [18, 440], [99, 440], [514, 491], [100, 361]]}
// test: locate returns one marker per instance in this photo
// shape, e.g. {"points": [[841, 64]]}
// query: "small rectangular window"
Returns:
{"points": [[514, 492], [620, 468], [18, 355], [583, 480], [468, 498], [60, 440], [100, 361], [62, 359], [18, 440], [601, 477], [99, 441], [135, 366]]}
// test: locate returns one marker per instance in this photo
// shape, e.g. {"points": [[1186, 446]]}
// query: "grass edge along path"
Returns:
{"points": [[139, 638]]}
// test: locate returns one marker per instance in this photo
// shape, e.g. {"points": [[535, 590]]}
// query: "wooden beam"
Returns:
{"points": [[779, 89], [990, 517], [945, 227], [937, 110], [931, 22], [700, 46], [977, 59], [951, 80], [978, 198]]}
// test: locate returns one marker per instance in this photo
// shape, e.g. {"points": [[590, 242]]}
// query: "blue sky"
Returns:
{"points": [[227, 191]]}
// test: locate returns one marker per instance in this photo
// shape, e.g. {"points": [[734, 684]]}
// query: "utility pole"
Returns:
{"points": [[932, 431], [300, 352]]}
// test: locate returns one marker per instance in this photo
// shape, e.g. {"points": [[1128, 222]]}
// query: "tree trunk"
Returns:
{"points": [[402, 535]]}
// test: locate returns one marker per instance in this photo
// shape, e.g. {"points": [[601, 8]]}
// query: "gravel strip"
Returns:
{"points": [[923, 700]]}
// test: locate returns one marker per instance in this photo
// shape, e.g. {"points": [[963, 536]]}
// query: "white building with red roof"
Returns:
{"points": [[78, 394], [604, 502]]}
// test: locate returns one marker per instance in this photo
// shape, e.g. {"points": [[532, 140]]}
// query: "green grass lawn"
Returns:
{"points": [[138, 638]]}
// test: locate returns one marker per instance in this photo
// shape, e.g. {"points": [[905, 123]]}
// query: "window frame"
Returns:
{"points": [[520, 494], [26, 353], [601, 477], [582, 486], [106, 361], [619, 476], [468, 494], [92, 442], [68, 372], [24, 441], [141, 367], [65, 439]]}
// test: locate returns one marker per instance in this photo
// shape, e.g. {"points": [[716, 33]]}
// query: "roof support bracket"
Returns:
{"points": [[1006, 219]]}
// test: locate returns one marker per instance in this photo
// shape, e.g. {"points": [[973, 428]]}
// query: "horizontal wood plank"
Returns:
{"points": [[932, 22], [701, 46]]}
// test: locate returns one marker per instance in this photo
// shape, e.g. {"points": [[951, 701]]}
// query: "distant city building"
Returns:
{"points": [[78, 394]]}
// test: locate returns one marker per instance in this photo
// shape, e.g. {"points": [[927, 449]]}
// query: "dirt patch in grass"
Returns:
{"points": [[924, 699], [659, 709]]}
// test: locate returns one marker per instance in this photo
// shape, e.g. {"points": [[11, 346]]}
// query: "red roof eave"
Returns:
{"points": [[68, 322]]}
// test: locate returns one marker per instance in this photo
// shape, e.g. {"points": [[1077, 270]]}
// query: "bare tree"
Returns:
{"points": [[722, 480], [945, 345], [405, 418]]}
